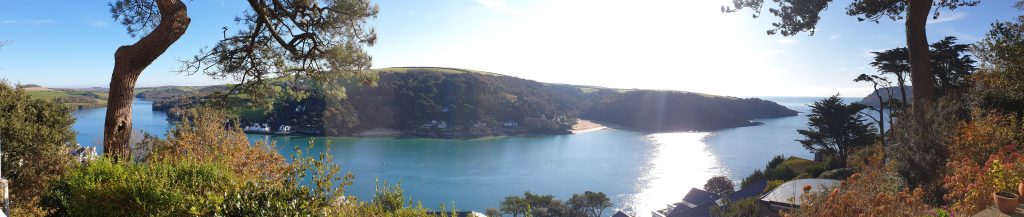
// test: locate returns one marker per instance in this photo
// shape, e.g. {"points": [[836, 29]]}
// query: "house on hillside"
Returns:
{"points": [[698, 203], [786, 197]]}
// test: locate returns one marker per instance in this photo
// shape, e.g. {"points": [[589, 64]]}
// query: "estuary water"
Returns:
{"points": [[641, 172]]}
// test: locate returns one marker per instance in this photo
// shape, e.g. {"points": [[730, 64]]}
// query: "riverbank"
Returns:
{"points": [[379, 132], [583, 126]]}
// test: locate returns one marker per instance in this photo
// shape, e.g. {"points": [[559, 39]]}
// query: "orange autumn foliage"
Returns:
{"points": [[871, 192], [970, 185], [984, 135], [209, 136]]}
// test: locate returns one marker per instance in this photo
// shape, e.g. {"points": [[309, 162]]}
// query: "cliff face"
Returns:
{"points": [[442, 102]]}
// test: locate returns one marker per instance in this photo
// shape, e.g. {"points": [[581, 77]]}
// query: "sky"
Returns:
{"points": [[686, 45]]}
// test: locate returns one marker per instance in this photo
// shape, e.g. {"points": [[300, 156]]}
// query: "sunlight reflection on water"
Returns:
{"points": [[681, 161]]}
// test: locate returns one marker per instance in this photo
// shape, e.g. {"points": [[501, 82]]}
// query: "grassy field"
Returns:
{"points": [[58, 94], [798, 165]]}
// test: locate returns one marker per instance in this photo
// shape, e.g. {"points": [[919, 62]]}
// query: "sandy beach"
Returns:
{"points": [[583, 126]]}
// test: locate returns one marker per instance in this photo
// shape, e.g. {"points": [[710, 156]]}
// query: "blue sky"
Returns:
{"points": [[647, 44]]}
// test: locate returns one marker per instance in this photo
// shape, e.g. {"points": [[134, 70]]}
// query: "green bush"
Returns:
{"points": [[772, 185], [740, 208], [36, 135], [780, 173], [815, 170], [775, 162], [757, 175], [104, 188], [837, 174]]}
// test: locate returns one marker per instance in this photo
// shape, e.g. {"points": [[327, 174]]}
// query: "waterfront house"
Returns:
{"points": [[698, 203]]}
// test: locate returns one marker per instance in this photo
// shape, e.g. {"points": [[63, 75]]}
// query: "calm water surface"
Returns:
{"points": [[640, 172]]}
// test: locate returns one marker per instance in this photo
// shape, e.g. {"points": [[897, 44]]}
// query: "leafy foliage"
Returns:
{"points": [[319, 41], [797, 16], [590, 203], [720, 185], [201, 136], [104, 188], [36, 135], [1000, 54], [740, 208], [868, 193], [836, 129]]}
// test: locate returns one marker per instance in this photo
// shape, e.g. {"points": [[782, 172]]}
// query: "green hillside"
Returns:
{"points": [[473, 103]]}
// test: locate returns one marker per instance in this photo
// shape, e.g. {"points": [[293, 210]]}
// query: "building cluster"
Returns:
{"points": [[785, 197]]}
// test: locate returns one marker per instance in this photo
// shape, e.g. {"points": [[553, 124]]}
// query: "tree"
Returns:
{"points": [[877, 81], [590, 203], [492, 212], [802, 16], [719, 185], [950, 65], [894, 61], [319, 41], [514, 205], [1000, 54], [836, 129], [35, 135]]}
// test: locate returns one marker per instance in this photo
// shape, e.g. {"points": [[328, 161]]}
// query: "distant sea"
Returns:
{"points": [[641, 172]]}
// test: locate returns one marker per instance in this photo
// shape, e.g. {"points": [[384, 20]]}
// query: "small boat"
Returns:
{"points": [[283, 130], [257, 128]]}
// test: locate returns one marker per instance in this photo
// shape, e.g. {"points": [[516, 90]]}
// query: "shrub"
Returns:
{"points": [[203, 136], [970, 184], [36, 135], [740, 208], [984, 135], [869, 193], [814, 170], [757, 175], [719, 185], [919, 152], [837, 173], [772, 185], [104, 188]]}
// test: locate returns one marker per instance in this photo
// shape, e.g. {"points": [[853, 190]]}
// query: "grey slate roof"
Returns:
{"points": [[788, 194], [704, 208]]}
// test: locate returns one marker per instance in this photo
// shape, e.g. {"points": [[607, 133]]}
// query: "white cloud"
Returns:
{"points": [[98, 23], [787, 41], [946, 17], [31, 22], [834, 37]]}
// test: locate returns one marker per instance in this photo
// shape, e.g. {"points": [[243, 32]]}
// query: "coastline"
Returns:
{"points": [[379, 132], [583, 126]]}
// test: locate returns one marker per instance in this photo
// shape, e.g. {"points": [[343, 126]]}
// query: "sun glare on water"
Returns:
{"points": [[681, 161]]}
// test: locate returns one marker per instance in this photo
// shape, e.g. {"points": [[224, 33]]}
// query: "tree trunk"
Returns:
{"points": [[903, 88], [129, 61], [881, 115], [917, 46]]}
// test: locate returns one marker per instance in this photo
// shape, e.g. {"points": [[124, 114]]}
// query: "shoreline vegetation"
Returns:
{"points": [[436, 102], [581, 126]]}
